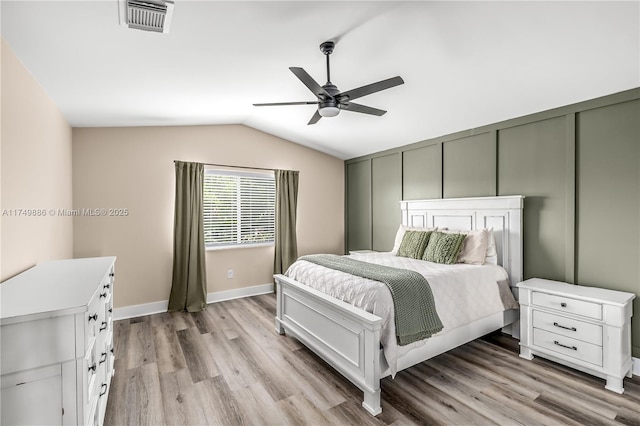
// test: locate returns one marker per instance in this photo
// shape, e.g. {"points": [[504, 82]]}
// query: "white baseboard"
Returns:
{"points": [[635, 366], [218, 296], [256, 290], [140, 310]]}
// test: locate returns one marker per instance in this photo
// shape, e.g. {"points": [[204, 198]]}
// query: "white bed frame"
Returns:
{"points": [[348, 338]]}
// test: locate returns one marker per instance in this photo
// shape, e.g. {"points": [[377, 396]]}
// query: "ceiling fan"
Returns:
{"points": [[330, 99]]}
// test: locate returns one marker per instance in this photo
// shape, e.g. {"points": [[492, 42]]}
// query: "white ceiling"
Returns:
{"points": [[465, 64]]}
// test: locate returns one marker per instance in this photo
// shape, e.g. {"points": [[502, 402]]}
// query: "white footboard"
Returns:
{"points": [[346, 337]]}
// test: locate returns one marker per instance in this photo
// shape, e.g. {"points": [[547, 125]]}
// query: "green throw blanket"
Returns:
{"points": [[414, 308]]}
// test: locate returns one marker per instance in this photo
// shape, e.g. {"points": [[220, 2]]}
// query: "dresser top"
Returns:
{"points": [[57, 287], [592, 294]]}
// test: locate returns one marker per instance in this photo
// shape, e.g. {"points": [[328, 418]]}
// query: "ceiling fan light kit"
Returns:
{"points": [[328, 110], [330, 99]]}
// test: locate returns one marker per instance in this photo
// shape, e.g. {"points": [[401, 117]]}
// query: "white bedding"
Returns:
{"points": [[463, 293]]}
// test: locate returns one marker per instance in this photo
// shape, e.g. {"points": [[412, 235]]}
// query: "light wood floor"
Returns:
{"points": [[227, 366]]}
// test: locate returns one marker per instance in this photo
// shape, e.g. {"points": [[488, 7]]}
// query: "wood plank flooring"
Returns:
{"points": [[227, 366]]}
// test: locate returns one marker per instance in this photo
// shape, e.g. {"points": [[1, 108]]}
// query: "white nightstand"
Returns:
{"points": [[586, 328]]}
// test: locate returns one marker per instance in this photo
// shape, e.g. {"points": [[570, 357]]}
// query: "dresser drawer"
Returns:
{"points": [[567, 304], [568, 346], [89, 371], [92, 413], [569, 327], [94, 317], [107, 282], [32, 344]]}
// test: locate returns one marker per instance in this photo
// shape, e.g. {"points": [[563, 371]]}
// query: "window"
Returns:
{"points": [[239, 208]]}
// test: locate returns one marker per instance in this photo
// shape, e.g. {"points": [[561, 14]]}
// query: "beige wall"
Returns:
{"points": [[36, 171], [133, 168]]}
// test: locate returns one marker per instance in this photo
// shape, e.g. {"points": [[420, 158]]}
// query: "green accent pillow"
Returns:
{"points": [[443, 248], [413, 244]]}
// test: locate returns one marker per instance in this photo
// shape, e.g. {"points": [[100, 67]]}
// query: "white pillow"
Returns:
{"points": [[492, 253], [474, 247], [400, 234]]}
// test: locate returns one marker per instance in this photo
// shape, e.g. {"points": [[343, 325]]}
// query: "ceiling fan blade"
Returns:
{"points": [[353, 107], [309, 82], [316, 117], [371, 88], [287, 103]]}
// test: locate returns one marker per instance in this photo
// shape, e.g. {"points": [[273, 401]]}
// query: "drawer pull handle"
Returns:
{"points": [[555, 342], [103, 295], [93, 367], [110, 310], [563, 304], [103, 392], [112, 274], [566, 328], [93, 317], [103, 357], [106, 286], [103, 327]]}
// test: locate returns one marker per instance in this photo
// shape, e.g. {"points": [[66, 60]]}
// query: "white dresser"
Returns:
{"points": [[586, 328], [56, 331]]}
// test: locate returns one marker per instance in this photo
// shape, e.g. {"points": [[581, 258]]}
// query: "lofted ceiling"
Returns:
{"points": [[465, 64]]}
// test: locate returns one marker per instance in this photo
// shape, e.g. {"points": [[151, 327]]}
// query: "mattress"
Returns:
{"points": [[462, 293]]}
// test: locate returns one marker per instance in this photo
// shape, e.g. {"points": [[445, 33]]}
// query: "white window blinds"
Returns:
{"points": [[239, 208]]}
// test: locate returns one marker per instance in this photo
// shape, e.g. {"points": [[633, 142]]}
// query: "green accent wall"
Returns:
{"points": [[386, 185], [608, 202], [422, 172], [578, 167], [531, 159], [358, 205], [469, 166]]}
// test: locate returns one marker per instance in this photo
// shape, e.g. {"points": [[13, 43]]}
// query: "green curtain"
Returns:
{"points": [[189, 283], [286, 245]]}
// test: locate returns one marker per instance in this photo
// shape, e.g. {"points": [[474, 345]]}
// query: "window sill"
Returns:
{"points": [[239, 246]]}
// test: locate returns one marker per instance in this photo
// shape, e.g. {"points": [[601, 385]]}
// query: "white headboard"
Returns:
{"points": [[504, 214]]}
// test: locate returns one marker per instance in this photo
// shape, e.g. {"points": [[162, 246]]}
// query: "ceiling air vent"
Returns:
{"points": [[149, 15]]}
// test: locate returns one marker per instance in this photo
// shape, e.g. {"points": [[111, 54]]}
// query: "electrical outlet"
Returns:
{"points": [[230, 273]]}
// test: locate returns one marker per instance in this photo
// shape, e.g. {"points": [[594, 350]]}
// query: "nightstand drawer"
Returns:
{"points": [[566, 304], [567, 346], [569, 327]]}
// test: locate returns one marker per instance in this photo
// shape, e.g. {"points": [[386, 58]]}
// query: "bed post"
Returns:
{"points": [[279, 304], [371, 386]]}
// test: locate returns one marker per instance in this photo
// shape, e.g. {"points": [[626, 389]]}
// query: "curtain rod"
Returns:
{"points": [[236, 167]]}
